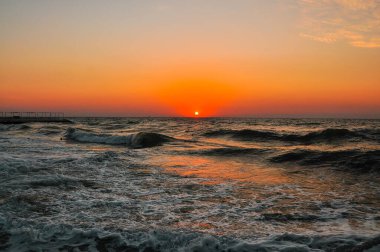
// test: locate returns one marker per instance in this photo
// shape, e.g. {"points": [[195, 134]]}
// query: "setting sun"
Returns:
{"points": [[221, 125]]}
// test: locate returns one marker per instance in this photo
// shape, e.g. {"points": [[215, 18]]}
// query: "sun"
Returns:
{"points": [[196, 113]]}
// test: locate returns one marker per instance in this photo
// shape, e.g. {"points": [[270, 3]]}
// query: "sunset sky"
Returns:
{"points": [[171, 58]]}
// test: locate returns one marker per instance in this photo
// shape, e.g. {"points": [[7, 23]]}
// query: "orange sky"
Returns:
{"points": [[171, 58]]}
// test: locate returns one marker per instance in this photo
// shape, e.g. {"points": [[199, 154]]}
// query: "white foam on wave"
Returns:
{"points": [[138, 140]]}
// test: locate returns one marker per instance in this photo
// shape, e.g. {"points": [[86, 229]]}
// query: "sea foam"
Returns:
{"points": [[138, 140], [18, 237]]}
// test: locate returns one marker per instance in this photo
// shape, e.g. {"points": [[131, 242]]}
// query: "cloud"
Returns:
{"points": [[354, 21]]}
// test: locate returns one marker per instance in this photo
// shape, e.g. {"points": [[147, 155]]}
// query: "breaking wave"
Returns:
{"points": [[357, 160], [327, 135], [138, 140]]}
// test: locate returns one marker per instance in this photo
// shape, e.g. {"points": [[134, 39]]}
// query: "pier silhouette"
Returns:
{"points": [[25, 117]]}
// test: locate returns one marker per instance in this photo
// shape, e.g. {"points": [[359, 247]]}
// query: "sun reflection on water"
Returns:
{"points": [[217, 171]]}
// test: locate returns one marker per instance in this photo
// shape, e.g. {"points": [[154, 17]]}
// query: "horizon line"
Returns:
{"points": [[236, 117], [274, 116]]}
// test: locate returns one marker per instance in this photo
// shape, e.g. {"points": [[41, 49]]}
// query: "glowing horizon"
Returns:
{"points": [[301, 58]]}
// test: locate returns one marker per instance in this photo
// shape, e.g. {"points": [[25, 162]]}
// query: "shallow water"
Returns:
{"points": [[211, 184]]}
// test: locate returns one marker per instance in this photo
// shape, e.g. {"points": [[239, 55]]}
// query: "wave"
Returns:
{"points": [[370, 133], [330, 134], [138, 140], [229, 151], [245, 134], [59, 181], [49, 130], [25, 237], [102, 157], [290, 217], [9, 127], [357, 160], [115, 127], [326, 135]]}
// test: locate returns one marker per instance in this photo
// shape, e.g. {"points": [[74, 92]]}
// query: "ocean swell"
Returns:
{"points": [[326, 135], [244, 135], [138, 140], [229, 151], [330, 134], [357, 160], [9, 127]]}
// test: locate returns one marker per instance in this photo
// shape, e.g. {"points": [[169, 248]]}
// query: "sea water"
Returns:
{"points": [[186, 184]]}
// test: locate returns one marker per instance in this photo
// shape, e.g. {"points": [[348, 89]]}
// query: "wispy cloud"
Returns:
{"points": [[354, 21]]}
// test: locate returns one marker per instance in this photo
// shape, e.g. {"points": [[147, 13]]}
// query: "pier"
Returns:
{"points": [[26, 117]]}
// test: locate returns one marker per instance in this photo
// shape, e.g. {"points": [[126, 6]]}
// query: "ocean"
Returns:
{"points": [[190, 184]]}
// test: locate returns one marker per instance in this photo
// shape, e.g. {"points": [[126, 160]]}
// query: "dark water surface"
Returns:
{"points": [[151, 184]]}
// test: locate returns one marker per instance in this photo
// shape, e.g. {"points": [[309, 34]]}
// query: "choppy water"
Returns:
{"points": [[172, 184]]}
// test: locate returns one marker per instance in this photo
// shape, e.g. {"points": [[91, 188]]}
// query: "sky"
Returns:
{"points": [[275, 58]]}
